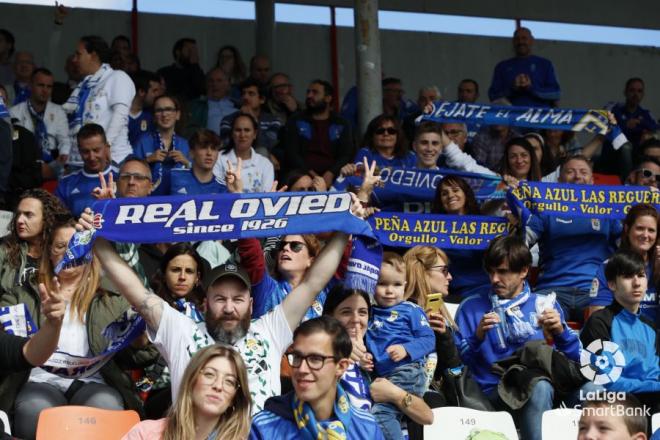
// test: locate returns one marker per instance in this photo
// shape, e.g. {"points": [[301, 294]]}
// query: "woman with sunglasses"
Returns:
{"points": [[385, 143], [294, 255], [213, 402], [163, 149], [640, 235]]}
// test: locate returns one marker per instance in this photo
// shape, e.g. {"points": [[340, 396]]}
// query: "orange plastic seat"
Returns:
{"points": [[84, 422]]}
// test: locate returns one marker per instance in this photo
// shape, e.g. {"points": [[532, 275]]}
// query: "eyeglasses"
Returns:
{"points": [[279, 86], [314, 361], [647, 174], [127, 177], [295, 246], [165, 110], [388, 130], [454, 132], [440, 268], [208, 376]]}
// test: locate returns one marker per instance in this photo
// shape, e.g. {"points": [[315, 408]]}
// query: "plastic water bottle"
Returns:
{"points": [[496, 334]]}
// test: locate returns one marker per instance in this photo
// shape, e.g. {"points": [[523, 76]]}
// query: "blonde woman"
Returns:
{"points": [[213, 402], [427, 272], [89, 309]]}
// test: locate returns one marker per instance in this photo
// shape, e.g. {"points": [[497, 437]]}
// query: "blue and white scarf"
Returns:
{"points": [[189, 309], [41, 133], [589, 120], [158, 166], [4, 113], [232, 216], [16, 320], [76, 105], [311, 429], [516, 328], [404, 185], [22, 93]]}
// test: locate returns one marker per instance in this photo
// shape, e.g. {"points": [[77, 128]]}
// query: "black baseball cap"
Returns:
{"points": [[227, 270]]}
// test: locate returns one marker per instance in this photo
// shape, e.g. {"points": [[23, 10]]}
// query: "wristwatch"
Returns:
{"points": [[407, 400]]}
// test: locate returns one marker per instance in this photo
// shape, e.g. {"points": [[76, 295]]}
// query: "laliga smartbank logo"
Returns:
{"points": [[602, 362]]}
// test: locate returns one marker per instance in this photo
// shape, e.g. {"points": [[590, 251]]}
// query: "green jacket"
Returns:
{"points": [[105, 308], [9, 276]]}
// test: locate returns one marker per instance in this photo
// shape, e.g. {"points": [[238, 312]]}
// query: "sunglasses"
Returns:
{"points": [[295, 246], [647, 174], [388, 130]]}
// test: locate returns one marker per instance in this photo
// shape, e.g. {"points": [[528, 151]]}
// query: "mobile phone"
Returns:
{"points": [[433, 303]]}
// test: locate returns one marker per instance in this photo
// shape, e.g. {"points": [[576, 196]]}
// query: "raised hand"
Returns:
{"points": [[233, 177], [53, 305], [273, 188], [105, 191]]}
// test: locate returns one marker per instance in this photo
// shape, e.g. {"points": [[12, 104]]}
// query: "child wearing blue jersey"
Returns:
{"points": [[399, 338], [204, 150], [640, 235]]}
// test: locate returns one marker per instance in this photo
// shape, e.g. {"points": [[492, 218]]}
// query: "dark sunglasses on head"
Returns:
{"points": [[388, 130], [647, 174], [295, 246]]}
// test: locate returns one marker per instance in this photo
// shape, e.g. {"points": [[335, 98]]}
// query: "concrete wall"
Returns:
{"points": [[590, 74]]}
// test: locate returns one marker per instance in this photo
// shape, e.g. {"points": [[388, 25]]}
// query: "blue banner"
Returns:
{"points": [[443, 231], [589, 120], [560, 199], [16, 320], [232, 216], [401, 187]]}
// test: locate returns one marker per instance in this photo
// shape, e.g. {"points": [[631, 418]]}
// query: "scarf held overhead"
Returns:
{"points": [[561, 199], [443, 231], [233, 216], [399, 185], [589, 120]]}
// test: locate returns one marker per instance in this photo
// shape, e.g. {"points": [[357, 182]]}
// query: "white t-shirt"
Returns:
{"points": [[73, 340], [256, 173], [178, 338]]}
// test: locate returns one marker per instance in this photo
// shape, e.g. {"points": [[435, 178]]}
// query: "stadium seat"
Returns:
{"points": [[69, 422], [655, 422], [560, 424], [462, 423], [5, 422]]}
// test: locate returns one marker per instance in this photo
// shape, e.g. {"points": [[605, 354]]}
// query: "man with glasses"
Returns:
{"points": [[281, 103], [318, 407], [493, 326], [647, 173], [76, 189]]}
